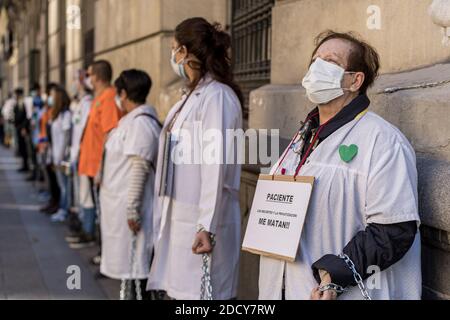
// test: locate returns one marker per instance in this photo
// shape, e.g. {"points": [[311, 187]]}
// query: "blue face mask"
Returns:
{"points": [[178, 67], [50, 102]]}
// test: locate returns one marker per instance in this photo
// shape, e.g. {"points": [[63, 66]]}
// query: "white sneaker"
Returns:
{"points": [[60, 216]]}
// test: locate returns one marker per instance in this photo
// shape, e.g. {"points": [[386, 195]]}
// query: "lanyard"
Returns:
{"points": [[175, 117], [311, 147], [293, 140]]}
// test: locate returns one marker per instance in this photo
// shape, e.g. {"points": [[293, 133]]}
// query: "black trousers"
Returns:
{"points": [[22, 148], [2, 132], [53, 186]]}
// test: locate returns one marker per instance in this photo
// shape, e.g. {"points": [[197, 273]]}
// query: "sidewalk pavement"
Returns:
{"points": [[34, 257]]}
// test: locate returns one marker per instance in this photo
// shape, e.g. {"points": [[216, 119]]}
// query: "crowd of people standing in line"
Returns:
{"points": [[108, 166], [96, 150]]}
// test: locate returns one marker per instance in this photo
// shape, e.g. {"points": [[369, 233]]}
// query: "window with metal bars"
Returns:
{"points": [[251, 32], [89, 47]]}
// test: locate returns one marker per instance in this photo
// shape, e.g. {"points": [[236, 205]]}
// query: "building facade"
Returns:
{"points": [[48, 40], [52, 39]]}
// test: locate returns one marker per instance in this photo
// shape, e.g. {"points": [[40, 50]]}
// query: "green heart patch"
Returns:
{"points": [[348, 153]]}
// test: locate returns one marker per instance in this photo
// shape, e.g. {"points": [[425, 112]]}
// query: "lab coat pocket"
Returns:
{"points": [[185, 212]]}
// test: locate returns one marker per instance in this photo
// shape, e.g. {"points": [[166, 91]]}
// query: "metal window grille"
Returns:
{"points": [[251, 30], [89, 46]]}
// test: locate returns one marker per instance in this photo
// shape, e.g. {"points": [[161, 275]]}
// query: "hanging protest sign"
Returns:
{"points": [[277, 216]]}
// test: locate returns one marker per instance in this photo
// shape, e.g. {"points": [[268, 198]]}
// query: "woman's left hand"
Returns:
{"points": [[202, 243], [327, 295], [134, 226]]}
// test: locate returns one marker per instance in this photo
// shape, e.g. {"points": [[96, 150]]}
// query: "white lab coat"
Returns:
{"points": [[378, 186], [59, 130], [80, 115], [29, 106], [8, 109], [135, 135], [203, 194]]}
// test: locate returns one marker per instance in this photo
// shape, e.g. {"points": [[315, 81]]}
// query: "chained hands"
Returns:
{"points": [[134, 221], [202, 243], [327, 295]]}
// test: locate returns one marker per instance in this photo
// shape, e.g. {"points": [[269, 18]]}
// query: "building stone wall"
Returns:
{"points": [[406, 39], [131, 34], [141, 37]]}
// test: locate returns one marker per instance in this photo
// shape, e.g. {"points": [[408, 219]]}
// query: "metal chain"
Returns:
{"points": [[127, 285], [206, 287], [123, 289], [206, 290], [332, 287], [356, 276]]}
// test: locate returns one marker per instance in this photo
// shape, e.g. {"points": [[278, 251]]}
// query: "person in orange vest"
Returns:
{"points": [[103, 117]]}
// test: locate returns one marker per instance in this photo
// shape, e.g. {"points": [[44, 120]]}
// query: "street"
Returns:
{"points": [[34, 257]]}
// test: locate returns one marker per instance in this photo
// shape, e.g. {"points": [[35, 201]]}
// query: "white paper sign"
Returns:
{"points": [[277, 217]]}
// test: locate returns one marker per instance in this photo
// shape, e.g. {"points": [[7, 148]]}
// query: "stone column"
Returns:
{"points": [[74, 41], [54, 29]]}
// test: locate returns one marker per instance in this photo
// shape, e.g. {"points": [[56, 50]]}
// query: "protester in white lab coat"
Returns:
{"points": [[197, 199], [80, 114], [8, 117], [80, 108], [127, 187], [61, 125], [364, 207]]}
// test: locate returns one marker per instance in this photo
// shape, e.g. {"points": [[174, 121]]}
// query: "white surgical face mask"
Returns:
{"points": [[323, 82], [178, 67], [119, 103], [88, 83], [50, 101]]}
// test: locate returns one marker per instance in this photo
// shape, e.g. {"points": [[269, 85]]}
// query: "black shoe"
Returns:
{"points": [[74, 237], [31, 178], [49, 208], [52, 210], [23, 170], [74, 224], [83, 243]]}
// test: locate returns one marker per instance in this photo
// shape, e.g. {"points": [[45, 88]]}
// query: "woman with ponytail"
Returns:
{"points": [[197, 214]]}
